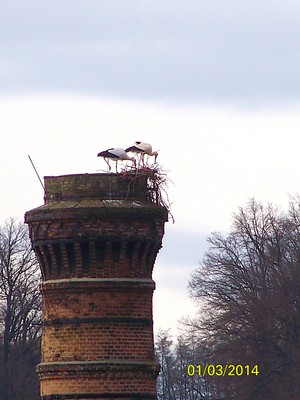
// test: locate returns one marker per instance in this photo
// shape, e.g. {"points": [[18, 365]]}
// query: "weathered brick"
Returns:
{"points": [[96, 238]]}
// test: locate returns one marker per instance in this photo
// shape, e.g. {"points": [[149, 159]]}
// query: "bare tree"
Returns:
{"points": [[249, 282], [166, 359], [179, 378], [20, 312], [190, 353]]}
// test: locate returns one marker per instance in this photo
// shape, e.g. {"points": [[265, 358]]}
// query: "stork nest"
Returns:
{"points": [[157, 184]]}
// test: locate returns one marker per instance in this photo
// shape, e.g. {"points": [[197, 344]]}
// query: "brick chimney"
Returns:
{"points": [[96, 238]]}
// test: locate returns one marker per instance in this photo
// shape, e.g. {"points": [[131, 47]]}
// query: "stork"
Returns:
{"points": [[116, 154], [143, 148]]}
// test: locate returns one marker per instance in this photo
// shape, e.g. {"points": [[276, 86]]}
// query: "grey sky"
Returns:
{"points": [[77, 77], [232, 51]]}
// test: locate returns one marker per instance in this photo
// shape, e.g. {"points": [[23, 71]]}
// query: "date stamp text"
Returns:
{"points": [[222, 370]]}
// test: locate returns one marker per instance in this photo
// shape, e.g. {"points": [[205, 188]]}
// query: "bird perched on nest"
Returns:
{"points": [[116, 154], [142, 149]]}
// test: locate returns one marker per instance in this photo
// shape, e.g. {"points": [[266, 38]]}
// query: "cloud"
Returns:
{"points": [[170, 305], [174, 51], [180, 255], [193, 243], [217, 157]]}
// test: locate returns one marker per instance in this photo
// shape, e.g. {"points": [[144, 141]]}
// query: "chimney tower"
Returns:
{"points": [[96, 238]]}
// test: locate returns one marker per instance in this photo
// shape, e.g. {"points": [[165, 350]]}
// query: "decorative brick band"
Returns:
{"points": [[99, 320], [110, 377], [114, 396], [89, 368], [103, 281], [94, 257], [74, 366]]}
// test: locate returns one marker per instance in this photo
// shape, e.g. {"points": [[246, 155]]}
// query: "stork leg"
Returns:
{"points": [[146, 160], [107, 162], [139, 157], [143, 159]]}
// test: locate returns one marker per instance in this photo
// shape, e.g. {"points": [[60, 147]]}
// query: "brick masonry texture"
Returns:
{"points": [[96, 238]]}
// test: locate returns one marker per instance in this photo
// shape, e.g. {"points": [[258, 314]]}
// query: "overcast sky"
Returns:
{"points": [[213, 85], [186, 51]]}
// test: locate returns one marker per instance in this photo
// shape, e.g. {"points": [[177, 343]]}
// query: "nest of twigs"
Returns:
{"points": [[157, 184]]}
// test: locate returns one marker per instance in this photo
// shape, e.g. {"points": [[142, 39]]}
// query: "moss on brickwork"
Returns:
{"points": [[97, 195], [102, 186]]}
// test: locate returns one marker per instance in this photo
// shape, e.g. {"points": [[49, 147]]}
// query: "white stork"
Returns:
{"points": [[116, 154], [143, 148]]}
